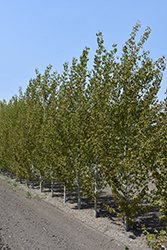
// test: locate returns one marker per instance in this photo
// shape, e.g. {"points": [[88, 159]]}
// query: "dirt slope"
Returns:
{"points": [[51, 224]]}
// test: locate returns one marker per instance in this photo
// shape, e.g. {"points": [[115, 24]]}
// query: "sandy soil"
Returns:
{"points": [[42, 222]]}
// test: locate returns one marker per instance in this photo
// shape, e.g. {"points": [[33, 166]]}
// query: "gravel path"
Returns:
{"points": [[31, 223]]}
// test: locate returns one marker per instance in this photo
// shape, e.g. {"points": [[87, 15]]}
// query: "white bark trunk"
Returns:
{"points": [[95, 191], [126, 223], [79, 193], [64, 194], [33, 179], [52, 188], [95, 210], [79, 200], [41, 186]]}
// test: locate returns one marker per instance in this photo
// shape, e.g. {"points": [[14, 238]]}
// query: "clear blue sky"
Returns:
{"points": [[36, 33]]}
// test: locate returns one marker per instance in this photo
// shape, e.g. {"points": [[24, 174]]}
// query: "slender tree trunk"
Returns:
{"points": [[52, 188], [41, 186], [95, 192], [126, 225], [125, 217], [79, 193], [33, 179], [64, 194], [95, 210], [79, 200], [27, 183]]}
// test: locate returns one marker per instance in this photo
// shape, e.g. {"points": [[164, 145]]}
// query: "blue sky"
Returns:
{"points": [[36, 33]]}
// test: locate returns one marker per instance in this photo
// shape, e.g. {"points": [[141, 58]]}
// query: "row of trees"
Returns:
{"points": [[92, 128]]}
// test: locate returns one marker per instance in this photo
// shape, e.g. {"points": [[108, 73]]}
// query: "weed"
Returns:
{"points": [[28, 195], [155, 240], [21, 189], [39, 198], [9, 182], [15, 184], [126, 247]]}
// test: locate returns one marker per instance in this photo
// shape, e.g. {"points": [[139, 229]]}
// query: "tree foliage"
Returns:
{"points": [[89, 128]]}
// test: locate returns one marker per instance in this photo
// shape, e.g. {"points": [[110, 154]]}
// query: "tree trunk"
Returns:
{"points": [[95, 210], [95, 192], [52, 188], [126, 223], [41, 184], [33, 179], [64, 194], [79, 193], [79, 200]]}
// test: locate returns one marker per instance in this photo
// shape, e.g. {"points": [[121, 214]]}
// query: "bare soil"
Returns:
{"points": [[42, 222]]}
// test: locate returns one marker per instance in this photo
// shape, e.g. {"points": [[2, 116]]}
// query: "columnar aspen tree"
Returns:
{"points": [[34, 117], [64, 170], [25, 140], [43, 90], [19, 139], [72, 116], [159, 170], [131, 127], [98, 91], [44, 93], [2, 145], [51, 142], [2, 104], [12, 158], [78, 76], [5, 128]]}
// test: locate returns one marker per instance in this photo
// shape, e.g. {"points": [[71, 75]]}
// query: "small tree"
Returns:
{"points": [[130, 129], [159, 171], [71, 119]]}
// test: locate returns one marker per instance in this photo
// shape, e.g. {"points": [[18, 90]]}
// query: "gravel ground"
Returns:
{"points": [[3, 245], [48, 223]]}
